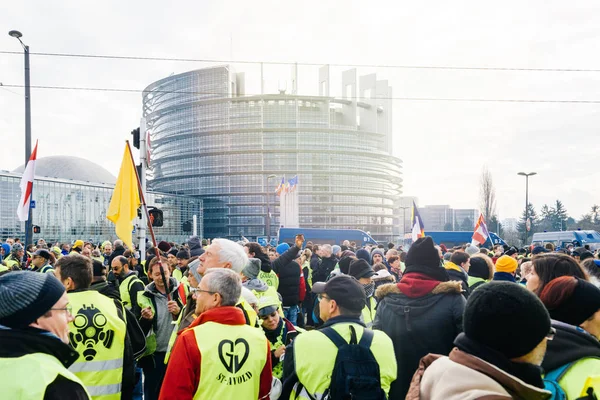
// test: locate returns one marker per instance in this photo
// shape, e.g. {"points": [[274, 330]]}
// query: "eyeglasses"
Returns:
{"points": [[322, 296], [195, 290], [68, 308], [551, 334]]}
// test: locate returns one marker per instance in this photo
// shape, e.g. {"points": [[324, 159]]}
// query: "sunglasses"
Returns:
{"points": [[322, 296], [551, 334]]}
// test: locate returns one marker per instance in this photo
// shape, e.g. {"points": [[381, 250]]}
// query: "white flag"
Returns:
{"points": [[27, 186]]}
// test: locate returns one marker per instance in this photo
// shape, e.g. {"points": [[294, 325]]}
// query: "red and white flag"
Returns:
{"points": [[27, 186], [481, 232]]}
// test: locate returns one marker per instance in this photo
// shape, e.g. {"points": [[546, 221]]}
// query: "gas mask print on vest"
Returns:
{"points": [[90, 323]]}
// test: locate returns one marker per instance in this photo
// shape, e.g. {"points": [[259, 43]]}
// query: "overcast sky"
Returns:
{"points": [[444, 145]]}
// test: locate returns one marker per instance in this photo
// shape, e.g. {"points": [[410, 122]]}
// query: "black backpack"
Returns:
{"points": [[355, 372]]}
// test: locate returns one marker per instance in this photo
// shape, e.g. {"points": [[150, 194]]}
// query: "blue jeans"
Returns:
{"points": [[138, 390], [291, 314]]}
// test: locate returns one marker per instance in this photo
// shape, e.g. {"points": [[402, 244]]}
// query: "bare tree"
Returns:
{"points": [[487, 195]]}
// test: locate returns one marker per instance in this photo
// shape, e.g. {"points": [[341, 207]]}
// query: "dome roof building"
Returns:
{"points": [[71, 168]]}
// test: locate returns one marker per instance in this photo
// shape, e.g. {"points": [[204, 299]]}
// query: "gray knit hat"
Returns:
{"points": [[252, 268], [471, 250], [193, 268], [25, 296], [16, 248]]}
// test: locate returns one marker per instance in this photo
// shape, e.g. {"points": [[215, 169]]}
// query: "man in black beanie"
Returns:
{"points": [[422, 313], [506, 328], [34, 339]]}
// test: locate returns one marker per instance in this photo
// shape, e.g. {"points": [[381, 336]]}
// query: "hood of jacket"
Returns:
{"points": [[151, 288], [195, 246], [464, 376], [569, 344], [449, 265], [256, 284], [397, 299]]}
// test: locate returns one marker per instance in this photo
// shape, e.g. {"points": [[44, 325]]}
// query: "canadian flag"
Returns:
{"points": [[481, 233], [27, 186]]}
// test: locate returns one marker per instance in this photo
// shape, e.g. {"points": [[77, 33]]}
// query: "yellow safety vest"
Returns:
{"points": [[249, 312], [144, 302], [278, 369], [3, 268], [27, 377], [583, 374], [98, 335], [124, 289], [177, 274], [232, 360], [313, 348], [11, 262], [368, 313], [270, 278]]}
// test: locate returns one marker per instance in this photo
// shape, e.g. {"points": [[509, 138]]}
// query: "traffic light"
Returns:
{"points": [[136, 137], [36, 229], [156, 216]]}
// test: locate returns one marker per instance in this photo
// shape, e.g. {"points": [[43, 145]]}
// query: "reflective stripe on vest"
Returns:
{"points": [[28, 377], [98, 334], [314, 348], [47, 268], [232, 358], [124, 290], [368, 313]]}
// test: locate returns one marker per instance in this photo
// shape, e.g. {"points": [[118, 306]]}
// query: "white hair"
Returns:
{"points": [[326, 249], [232, 253], [225, 282]]}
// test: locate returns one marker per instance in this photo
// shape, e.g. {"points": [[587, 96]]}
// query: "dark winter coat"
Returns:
{"points": [[569, 344], [324, 268], [118, 251], [456, 273], [19, 342], [419, 325], [265, 262], [289, 276], [504, 276]]}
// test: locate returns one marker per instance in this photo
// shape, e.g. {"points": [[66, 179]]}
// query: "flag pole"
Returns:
{"points": [[145, 206]]}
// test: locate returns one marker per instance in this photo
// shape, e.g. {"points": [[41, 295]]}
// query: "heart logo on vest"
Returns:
{"points": [[229, 354]]}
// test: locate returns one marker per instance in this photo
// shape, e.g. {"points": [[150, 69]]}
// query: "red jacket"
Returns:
{"points": [[183, 372]]}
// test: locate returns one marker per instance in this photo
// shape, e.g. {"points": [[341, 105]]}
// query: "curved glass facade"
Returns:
{"points": [[212, 142]]}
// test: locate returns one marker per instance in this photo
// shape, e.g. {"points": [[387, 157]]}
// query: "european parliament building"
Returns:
{"points": [[213, 142], [71, 198]]}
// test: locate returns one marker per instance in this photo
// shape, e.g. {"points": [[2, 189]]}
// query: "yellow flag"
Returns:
{"points": [[125, 200]]}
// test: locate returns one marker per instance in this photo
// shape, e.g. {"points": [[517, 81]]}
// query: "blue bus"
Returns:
{"points": [[326, 236]]}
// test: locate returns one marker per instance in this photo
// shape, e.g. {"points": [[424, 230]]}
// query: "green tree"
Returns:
{"points": [[521, 227], [547, 218], [560, 216]]}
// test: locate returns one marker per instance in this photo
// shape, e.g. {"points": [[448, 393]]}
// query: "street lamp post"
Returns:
{"points": [[404, 223], [526, 175], [17, 35], [268, 218]]}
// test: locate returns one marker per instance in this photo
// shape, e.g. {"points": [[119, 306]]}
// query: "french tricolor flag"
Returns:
{"points": [[27, 186], [481, 232]]}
